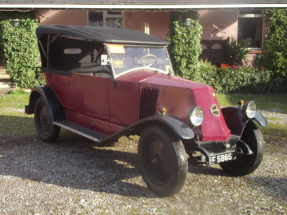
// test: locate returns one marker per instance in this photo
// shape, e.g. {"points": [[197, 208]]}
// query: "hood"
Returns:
{"points": [[179, 96], [160, 79]]}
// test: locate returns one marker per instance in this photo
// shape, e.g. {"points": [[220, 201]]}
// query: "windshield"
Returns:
{"points": [[128, 58]]}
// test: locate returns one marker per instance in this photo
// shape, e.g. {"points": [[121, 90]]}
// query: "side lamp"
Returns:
{"points": [[16, 22], [188, 22]]}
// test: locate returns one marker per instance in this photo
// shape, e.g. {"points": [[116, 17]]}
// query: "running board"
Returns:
{"points": [[85, 132]]}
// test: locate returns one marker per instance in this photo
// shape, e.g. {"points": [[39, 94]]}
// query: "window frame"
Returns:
{"points": [[250, 15], [106, 15]]}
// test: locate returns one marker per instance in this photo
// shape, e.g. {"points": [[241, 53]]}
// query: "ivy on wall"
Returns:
{"points": [[185, 48], [275, 56], [19, 47]]}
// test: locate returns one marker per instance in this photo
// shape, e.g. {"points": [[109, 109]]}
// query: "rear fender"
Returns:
{"points": [[51, 100]]}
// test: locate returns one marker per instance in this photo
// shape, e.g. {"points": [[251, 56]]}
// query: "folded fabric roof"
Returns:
{"points": [[99, 34]]}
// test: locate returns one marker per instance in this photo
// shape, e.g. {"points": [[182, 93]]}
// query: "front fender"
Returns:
{"points": [[51, 100], [236, 120], [260, 119], [175, 125]]}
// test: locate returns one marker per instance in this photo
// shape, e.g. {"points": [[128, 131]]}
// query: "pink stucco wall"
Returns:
{"points": [[63, 17], [225, 20], [158, 22]]}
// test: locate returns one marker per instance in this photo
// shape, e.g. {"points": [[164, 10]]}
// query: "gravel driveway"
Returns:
{"points": [[76, 176]]}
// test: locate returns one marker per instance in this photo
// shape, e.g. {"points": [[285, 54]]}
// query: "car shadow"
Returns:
{"points": [[76, 165], [208, 170], [73, 161]]}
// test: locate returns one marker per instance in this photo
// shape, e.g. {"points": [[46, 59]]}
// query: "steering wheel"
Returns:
{"points": [[148, 60]]}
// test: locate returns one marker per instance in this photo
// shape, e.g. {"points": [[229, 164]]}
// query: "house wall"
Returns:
{"points": [[156, 21], [63, 17], [225, 20]]}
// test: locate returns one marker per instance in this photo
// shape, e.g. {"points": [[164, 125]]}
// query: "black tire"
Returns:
{"points": [[163, 161], [246, 164], [47, 131]]}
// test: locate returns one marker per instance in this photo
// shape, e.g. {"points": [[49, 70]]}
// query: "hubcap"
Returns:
{"points": [[44, 122], [158, 162]]}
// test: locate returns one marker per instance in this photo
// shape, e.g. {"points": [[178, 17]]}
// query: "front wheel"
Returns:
{"points": [[245, 164], [163, 161], [47, 131]]}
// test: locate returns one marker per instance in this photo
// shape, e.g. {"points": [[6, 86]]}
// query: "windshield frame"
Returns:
{"points": [[108, 51]]}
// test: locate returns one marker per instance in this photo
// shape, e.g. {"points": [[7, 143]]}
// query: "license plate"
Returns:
{"points": [[221, 158]]}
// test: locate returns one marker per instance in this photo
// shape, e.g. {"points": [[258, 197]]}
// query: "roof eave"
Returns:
{"points": [[149, 7]]}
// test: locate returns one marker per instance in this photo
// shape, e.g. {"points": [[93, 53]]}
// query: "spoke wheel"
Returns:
{"points": [[46, 130], [246, 164], [163, 161]]}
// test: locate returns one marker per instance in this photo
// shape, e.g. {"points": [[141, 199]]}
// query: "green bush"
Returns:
{"points": [[243, 79], [275, 55], [185, 47], [239, 79], [19, 47], [207, 73], [238, 52]]}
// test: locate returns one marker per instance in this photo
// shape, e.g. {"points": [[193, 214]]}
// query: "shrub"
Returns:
{"points": [[207, 73], [237, 52], [19, 47], [185, 45], [275, 55], [239, 79], [243, 79]]}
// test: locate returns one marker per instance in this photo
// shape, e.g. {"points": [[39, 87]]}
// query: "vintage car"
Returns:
{"points": [[104, 83]]}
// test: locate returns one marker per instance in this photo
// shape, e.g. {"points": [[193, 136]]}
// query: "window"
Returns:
{"points": [[130, 58], [146, 28], [112, 19], [250, 27]]}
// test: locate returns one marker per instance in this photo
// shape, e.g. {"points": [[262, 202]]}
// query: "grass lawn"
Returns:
{"points": [[268, 102], [13, 121]]}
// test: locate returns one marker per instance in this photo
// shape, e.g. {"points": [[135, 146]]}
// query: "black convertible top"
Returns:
{"points": [[99, 34]]}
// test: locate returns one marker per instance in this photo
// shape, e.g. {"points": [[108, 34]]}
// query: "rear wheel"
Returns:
{"points": [[163, 161], [245, 164], [46, 130]]}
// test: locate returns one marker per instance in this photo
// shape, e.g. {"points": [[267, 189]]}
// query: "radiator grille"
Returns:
{"points": [[148, 101]]}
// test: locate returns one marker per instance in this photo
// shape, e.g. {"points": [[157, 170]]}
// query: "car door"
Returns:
{"points": [[95, 96]]}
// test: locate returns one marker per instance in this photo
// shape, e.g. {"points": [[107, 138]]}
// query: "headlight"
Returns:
{"points": [[196, 116], [249, 109]]}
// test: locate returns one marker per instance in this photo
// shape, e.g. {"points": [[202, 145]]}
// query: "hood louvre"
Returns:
{"points": [[148, 101]]}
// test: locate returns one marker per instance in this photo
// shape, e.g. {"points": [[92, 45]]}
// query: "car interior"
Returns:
{"points": [[77, 56]]}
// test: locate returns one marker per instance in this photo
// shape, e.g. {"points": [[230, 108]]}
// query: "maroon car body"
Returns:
{"points": [[105, 83]]}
